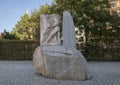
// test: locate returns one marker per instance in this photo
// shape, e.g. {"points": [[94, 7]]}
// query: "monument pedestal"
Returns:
{"points": [[60, 63]]}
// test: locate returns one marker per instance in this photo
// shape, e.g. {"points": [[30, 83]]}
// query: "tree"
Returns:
{"points": [[86, 12], [22, 28], [7, 35], [35, 19], [94, 17], [28, 28]]}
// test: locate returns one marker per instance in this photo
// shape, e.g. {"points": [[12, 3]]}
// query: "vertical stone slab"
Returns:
{"points": [[49, 29], [69, 39]]}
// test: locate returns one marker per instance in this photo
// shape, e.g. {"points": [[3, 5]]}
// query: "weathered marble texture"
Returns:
{"points": [[55, 61], [68, 30], [39, 62], [49, 29], [60, 64]]}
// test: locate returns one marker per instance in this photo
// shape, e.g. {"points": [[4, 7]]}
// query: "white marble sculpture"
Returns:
{"points": [[59, 61], [68, 31], [49, 29]]}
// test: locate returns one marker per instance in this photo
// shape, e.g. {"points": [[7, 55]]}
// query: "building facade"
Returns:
{"points": [[80, 38], [115, 7], [0, 34]]}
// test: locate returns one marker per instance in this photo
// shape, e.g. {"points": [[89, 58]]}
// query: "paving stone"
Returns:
{"points": [[23, 73]]}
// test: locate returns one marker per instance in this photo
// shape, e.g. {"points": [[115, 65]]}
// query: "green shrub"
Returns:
{"points": [[94, 52], [17, 50], [23, 50]]}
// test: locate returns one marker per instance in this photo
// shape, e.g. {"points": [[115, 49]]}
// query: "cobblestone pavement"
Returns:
{"points": [[23, 73]]}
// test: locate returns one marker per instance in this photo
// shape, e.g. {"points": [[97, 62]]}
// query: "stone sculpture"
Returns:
{"points": [[68, 31], [49, 29], [54, 60]]}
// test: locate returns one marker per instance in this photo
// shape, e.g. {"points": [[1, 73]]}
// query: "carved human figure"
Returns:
{"points": [[50, 30]]}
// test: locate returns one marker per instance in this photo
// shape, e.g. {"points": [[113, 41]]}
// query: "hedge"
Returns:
{"points": [[97, 53], [23, 50], [17, 50]]}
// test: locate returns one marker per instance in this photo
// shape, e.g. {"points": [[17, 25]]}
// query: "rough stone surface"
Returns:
{"points": [[60, 63], [39, 62], [49, 29], [23, 73], [56, 61], [68, 30], [65, 67]]}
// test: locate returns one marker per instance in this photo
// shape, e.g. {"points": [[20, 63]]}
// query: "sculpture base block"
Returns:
{"points": [[60, 65]]}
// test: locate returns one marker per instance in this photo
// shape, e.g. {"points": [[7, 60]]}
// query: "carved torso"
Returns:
{"points": [[50, 29]]}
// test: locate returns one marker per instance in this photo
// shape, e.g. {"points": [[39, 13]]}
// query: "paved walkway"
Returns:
{"points": [[23, 73]]}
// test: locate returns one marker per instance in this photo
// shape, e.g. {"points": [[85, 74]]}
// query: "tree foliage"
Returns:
{"points": [[22, 28], [91, 15], [7, 35], [101, 28], [28, 28]]}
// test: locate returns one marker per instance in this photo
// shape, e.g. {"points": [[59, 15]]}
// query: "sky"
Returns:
{"points": [[12, 10]]}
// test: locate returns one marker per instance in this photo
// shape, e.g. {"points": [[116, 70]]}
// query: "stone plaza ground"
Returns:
{"points": [[23, 73]]}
